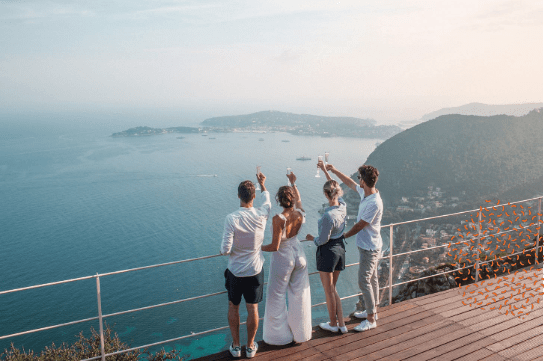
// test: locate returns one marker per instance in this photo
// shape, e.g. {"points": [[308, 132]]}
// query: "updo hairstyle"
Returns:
{"points": [[332, 189], [285, 197]]}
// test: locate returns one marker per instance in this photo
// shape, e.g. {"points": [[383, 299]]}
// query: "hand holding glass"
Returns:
{"points": [[319, 159], [257, 186], [288, 172]]}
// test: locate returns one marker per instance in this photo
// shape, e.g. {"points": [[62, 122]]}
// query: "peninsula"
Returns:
{"points": [[267, 121]]}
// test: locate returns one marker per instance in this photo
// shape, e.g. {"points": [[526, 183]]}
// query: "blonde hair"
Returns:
{"points": [[332, 189]]}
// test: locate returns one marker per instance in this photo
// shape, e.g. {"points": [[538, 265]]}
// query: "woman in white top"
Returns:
{"points": [[288, 274]]}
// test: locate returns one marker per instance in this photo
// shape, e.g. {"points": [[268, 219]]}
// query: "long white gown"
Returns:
{"points": [[288, 275]]}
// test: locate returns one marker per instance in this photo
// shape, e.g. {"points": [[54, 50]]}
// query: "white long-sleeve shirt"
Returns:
{"points": [[243, 237]]}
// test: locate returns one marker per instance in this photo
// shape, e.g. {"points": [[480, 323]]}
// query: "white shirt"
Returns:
{"points": [[243, 237], [370, 211]]}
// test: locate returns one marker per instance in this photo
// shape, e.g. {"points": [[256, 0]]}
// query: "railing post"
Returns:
{"points": [[538, 234], [477, 264], [390, 265], [98, 298]]}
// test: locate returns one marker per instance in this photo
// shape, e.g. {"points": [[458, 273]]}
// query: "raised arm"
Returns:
{"points": [[277, 230], [321, 166], [344, 178], [298, 202]]}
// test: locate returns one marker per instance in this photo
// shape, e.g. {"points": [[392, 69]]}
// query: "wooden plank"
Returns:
{"points": [[494, 357], [531, 354], [494, 319], [451, 344], [406, 340], [512, 322], [533, 343], [316, 357], [476, 356], [461, 348], [511, 337], [413, 349]]}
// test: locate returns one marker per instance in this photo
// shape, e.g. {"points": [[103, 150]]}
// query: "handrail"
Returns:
{"points": [[389, 286]]}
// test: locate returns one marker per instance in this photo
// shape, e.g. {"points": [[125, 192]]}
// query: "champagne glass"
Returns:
{"points": [[257, 186], [326, 158], [288, 172], [319, 159]]}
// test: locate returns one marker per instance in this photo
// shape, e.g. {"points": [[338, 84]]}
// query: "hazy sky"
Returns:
{"points": [[388, 60]]}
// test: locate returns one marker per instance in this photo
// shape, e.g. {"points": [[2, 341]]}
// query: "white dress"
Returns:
{"points": [[288, 275]]}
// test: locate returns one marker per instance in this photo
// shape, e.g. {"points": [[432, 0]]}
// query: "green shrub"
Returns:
{"points": [[85, 348]]}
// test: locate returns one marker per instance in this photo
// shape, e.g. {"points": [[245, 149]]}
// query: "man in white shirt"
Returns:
{"points": [[243, 236], [369, 240]]}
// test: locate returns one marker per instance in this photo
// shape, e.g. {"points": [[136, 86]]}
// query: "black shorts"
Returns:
{"points": [[250, 287], [331, 256]]}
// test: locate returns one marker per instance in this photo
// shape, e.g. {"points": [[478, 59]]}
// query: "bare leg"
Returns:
{"points": [[330, 295], [339, 311], [252, 322], [234, 323]]}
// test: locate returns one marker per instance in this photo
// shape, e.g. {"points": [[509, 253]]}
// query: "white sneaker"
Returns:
{"points": [[363, 314], [343, 329], [365, 326], [327, 326], [235, 351], [250, 352]]}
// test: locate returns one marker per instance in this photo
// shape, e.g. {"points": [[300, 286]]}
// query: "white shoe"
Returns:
{"points": [[235, 351], [363, 314], [250, 352], [365, 326], [343, 329], [327, 326]]}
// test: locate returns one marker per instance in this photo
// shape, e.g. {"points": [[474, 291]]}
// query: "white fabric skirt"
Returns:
{"points": [[288, 275]]}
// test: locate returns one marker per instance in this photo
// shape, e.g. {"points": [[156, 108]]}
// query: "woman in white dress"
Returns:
{"points": [[288, 274]]}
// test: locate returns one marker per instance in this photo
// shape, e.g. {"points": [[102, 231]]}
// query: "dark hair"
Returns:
{"points": [[285, 197], [369, 175], [332, 189], [246, 191]]}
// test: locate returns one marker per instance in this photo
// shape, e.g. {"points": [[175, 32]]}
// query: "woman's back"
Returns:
{"points": [[293, 222]]}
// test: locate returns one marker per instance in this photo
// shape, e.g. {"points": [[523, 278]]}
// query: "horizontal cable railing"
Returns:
{"points": [[389, 286]]}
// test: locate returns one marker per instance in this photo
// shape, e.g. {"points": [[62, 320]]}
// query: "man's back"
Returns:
{"points": [[243, 236]]}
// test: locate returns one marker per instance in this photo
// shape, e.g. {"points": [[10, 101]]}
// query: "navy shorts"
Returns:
{"points": [[331, 256], [250, 287]]}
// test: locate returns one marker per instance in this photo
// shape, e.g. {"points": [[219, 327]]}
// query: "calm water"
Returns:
{"points": [[76, 202]]}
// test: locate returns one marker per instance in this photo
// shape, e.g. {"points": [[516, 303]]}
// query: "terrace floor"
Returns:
{"points": [[437, 327]]}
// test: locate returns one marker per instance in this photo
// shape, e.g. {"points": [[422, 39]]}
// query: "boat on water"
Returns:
{"points": [[304, 158], [285, 140], [204, 135]]}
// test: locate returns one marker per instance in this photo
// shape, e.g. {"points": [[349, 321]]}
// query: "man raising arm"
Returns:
{"points": [[369, 241]]}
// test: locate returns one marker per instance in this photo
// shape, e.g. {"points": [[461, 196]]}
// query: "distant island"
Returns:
{"points": [[298, 124]]}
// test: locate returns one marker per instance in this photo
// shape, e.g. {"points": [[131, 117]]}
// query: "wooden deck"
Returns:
{"points": [[436, 327]]}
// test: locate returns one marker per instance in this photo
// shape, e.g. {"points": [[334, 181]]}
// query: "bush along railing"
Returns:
{"points": [[465, 269]]}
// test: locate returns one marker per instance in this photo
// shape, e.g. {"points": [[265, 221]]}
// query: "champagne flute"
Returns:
{"points": [[319, 159], [257, 186], [326, 158], [288, 172]]}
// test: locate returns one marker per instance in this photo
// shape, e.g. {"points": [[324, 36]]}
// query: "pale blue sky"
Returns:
{"points": [[388, 60]]}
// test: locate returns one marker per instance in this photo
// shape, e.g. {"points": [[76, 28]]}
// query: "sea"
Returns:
{"points": [[77, 202]]}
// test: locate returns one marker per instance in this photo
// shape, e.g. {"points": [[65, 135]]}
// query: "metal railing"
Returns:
{"points": [[100, 317]]}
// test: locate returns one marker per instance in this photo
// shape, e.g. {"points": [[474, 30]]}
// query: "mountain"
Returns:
{"points": [[485, 110], [467, 156], [275, 118], [476, 109]]}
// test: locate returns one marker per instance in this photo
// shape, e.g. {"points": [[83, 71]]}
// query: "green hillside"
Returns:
{"points": [[481, 156]]}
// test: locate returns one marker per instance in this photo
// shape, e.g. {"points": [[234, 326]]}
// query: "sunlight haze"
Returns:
{"points": [[386, 60]]}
